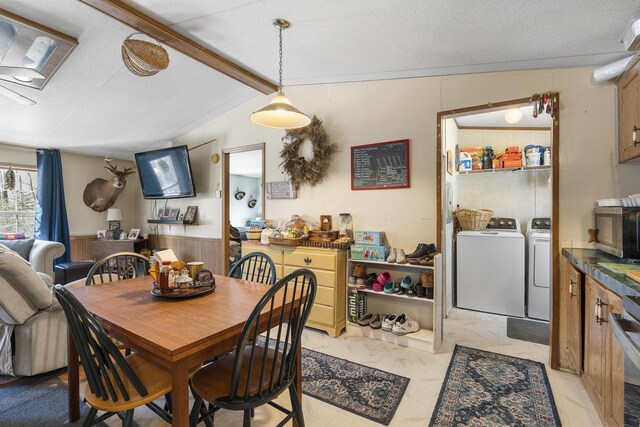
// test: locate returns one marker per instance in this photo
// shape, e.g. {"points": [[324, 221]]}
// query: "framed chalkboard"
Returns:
{"points": [[383, 165]]}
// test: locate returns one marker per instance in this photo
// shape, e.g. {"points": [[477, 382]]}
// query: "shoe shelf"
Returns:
{"points": [[427, 312]]}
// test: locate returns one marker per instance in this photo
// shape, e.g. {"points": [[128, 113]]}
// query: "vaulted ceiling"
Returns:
{"points": [[96, 106]]}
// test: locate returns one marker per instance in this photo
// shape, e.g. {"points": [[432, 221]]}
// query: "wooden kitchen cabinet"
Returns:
{"points": [[574, 285], [629, 114], [329, 266], [603, 357]]}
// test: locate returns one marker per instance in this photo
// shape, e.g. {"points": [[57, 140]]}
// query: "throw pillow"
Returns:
{"points": [[21, 277], [21, 247]]}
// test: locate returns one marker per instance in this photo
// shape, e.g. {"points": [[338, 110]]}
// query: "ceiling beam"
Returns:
{"points": [[139, 21]]}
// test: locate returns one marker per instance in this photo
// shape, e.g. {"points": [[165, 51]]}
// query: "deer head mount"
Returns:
{"points": [[100, 194]]}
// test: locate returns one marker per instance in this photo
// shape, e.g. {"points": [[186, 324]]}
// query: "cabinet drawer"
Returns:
{"points": [[322, 314], [275, 255], [325, 278], [325, 296], [310, 259]]}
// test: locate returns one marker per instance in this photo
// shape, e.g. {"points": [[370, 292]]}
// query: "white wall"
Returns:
{"points": [[376, 111], [239, 210]]}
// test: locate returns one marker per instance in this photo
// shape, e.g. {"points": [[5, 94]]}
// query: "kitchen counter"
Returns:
{"points": [[587, 260]]}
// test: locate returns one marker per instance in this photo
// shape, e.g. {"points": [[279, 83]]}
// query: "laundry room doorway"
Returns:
{"points": [[501, 157]]}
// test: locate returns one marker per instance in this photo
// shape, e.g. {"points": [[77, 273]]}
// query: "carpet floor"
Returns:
{"points": [[482, 388]]}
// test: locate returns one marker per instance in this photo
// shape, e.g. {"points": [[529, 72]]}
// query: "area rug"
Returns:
{"points": [[364, 391], [489, 389], [528, 330], [39, 401]]}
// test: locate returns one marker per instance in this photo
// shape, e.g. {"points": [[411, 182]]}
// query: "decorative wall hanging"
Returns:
{"points": [[239, 195], [301, 170], [101, 194], [252, 202], [281, 190], [545, 103], [9, 179], [384, 165], [144, 58]]}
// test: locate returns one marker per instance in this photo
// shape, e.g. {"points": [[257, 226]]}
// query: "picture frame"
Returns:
{"points": [[162, 212], [381, 166], [124, 235], [109, 235], [190, 214], [449, 162], [134, 233], [173, 214], [101, 234], [326, 222]]}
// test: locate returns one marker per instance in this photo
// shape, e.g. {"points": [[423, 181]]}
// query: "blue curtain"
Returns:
{"points": [[51, 211]]}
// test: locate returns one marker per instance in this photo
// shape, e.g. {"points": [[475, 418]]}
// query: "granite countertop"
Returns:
{"points": [[590, 261]]}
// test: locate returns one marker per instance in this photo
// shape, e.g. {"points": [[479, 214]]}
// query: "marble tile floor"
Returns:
{"points": [[427, 371]]}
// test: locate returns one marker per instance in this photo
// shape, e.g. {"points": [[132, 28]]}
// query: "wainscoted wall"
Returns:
{"points": [[81, 247], [187, 249]]}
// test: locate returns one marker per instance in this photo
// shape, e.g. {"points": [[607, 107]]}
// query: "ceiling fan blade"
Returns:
{"points": [[21, 72], [16, 96]]}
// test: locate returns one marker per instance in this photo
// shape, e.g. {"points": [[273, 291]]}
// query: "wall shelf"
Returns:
{"points": [[169, 222], [523, 169]]}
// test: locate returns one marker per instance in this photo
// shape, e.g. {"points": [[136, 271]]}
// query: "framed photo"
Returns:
{"points": [[173, 213], [190, 214], [380, 166], [123, 235], [449, 162], [101, 234], [162, 213], [109, 235], [134, 233]]}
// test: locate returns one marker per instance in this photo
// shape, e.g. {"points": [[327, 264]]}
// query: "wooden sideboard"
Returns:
{"points": [[103, 248]]}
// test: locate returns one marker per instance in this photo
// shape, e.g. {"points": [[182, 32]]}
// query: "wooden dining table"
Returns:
{"points": [[177, 334]]}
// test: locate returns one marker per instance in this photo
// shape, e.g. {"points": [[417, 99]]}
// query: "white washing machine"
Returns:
{"points": [[490, 269], [538, 267]]}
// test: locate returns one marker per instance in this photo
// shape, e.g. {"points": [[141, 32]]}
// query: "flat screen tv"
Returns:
{"points": [[165, 173]]}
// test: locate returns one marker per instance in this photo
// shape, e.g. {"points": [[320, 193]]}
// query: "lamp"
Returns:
{"points": [[280, 113], [114, 216], [513, 115]]}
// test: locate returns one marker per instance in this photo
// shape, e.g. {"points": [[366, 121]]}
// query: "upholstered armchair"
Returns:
{"points": [[30, 313]]}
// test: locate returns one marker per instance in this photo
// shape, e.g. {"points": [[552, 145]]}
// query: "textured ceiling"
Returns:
{"points": [[95, 106]]}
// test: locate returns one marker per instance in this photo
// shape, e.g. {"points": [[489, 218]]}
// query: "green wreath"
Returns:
{"points": [[298, 168]]}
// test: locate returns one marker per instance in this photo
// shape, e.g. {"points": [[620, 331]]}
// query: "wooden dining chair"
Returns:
{"points": [[256, 267], [262, 366], [115, 384], [118, 266]]}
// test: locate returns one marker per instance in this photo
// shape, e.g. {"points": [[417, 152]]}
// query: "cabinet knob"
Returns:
{"points": [[598, 312], [307, 260]]}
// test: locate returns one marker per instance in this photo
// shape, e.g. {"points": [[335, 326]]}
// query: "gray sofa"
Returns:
{"points": [[30, 312]]}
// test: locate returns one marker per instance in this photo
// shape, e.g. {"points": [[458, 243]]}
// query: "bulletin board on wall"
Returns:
{"points": [[384, 165]]}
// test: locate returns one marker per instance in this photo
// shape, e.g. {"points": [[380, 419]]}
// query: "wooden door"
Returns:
{"points": [[574, 318], [594, 346], [614, 388], [629, 114]]}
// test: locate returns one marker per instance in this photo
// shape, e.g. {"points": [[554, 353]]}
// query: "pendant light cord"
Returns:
{"points": [[280, 81]]}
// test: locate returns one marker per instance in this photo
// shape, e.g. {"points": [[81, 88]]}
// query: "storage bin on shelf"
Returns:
{"points": [[356, 305], [473, 219]]}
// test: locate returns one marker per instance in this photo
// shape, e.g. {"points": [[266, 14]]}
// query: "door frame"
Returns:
{"points": [[225, 191], [554, 335]]}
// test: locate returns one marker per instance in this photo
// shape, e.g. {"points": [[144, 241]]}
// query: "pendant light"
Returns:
{"points": [[280, 114]]}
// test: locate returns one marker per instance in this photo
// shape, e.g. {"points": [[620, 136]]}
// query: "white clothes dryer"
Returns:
{"points": [[491, 270], [538, 268]]}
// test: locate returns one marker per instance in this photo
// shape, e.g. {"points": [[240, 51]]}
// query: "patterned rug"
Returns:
{"points": [[359, 389], [489, 389]]}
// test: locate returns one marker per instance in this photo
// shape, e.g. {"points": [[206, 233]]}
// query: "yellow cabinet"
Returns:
{"points": [[329, 266]]}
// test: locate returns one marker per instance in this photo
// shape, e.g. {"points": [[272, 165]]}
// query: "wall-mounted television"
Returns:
{"points": [[165, 173]]}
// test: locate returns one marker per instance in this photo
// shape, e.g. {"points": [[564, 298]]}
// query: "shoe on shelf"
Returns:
{"points": [[418, 252], [377, 287], [388, 287], [360, 283], [401, 258], [351, 282], [420, 291], [427, 261], [370, 280], [431, 249], [364, 320], [411, 292], [407, 282], [427, 279], [387, 322], [397, 289], [392, 255], [376, 321], [417, 261], [383, 278], [404, 325], [359, 270]]}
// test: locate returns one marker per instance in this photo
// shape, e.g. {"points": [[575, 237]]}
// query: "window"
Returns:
{"points": [[17, 206]]}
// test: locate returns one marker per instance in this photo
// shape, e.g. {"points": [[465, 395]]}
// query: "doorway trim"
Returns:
{"points": [[554, 335], [225, 195]]}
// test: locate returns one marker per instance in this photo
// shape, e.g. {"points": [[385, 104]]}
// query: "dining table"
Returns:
{"points": [[178, 334]]}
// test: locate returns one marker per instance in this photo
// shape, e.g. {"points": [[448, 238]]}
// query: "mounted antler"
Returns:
{"points": [[101, 194]]}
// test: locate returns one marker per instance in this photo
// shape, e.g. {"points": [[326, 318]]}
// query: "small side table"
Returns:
{"points": [[67, 272]]}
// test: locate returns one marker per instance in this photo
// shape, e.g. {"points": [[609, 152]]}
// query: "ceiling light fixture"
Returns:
{"points": [[280, 114], [513, 115], [16, 96]]}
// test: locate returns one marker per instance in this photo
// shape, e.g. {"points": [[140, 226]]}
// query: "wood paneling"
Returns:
{"points": [[187, 249], [81, 247]]}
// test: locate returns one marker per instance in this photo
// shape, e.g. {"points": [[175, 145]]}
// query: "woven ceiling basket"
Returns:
{"points": [[143, 58]]}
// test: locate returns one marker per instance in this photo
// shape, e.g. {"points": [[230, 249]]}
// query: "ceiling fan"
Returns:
{"points": [[19, 73]]}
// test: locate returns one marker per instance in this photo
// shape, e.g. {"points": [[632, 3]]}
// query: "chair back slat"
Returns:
{"points": [[118, 266], [106, 369], [268, 361], [255, 267]]}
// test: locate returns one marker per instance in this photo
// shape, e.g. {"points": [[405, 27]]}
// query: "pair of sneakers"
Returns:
{"points": [[399, 324], [397, 256]]}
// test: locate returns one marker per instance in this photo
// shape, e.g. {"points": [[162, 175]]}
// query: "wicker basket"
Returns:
{"points": [[143, 58], [286, 242], [473, 219]]}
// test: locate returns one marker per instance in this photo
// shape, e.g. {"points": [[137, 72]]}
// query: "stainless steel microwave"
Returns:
{"points": [[619, 231]]}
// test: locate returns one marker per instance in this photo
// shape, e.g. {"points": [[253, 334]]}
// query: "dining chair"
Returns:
{"points": [[115, 384], [262, 366], [256, 267], [118, 266]]}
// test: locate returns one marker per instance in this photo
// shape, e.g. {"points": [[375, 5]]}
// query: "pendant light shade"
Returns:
{"points": [[280, 113]]}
